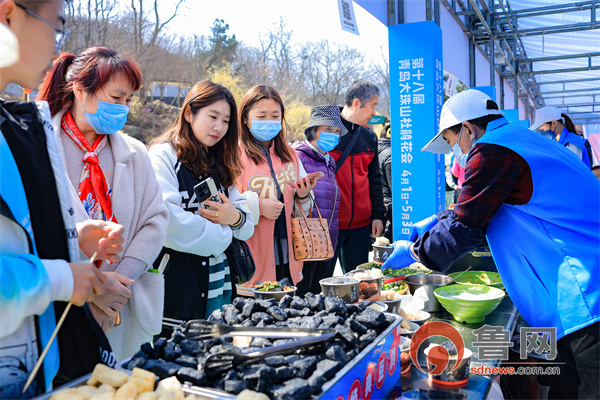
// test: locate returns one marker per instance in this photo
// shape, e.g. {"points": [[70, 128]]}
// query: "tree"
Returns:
{"points": [[222, 47], [330, 70]]}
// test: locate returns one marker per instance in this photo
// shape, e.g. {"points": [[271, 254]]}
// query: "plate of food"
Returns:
{"points": [[273, 290]]}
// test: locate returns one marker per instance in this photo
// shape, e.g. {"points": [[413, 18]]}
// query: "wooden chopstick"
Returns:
{"points": [[58, 325]]}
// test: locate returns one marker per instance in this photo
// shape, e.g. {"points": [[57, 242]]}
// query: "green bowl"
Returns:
{"points": [[469, 303], [478, 278]]}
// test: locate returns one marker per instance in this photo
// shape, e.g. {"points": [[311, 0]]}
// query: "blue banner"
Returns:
{"points": [[416, 97]]}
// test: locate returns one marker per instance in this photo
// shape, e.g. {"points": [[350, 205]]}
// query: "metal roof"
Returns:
{"points": [[550, 48]]}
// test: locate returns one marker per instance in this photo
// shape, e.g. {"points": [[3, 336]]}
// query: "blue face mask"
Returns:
{"points": [[548, 133], [265, 130], [109, 118], [327, 141]]}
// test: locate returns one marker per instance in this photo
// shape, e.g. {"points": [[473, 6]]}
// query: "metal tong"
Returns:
{"points": [[200, 329], [217, 364]]}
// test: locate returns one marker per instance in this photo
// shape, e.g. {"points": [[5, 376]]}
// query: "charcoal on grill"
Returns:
{"points": [[234, 386], [165, 369], [188, 374], [239, 302], [293, 313], [283, 373], [346, 334], [285, 301], [336, 353], [310, 322], [366, 339], [316, 382], [327, 324], [292, 359], [149, 365], [192, 347], [146, 348], [221, 348], [230, 316], [299, 303], [177, 336], [328, 368], [317, 302], [322, 313], [370, 318], [171, 351], [248, 323], [305, 366], [137, 360], [248, 308], [187, 361], [278, 313], [157, 350], [275, 361], [262, 316], [294, 389], [356, 326], [335, 305], [282, 341], [261, 342], [216, 316]]}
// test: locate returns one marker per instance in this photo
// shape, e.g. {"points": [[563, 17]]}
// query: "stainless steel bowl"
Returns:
{"points": [[429, 282], [344, 287], [381, 253], [369, 288]]}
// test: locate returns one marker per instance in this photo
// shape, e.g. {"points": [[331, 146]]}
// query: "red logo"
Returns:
{"points": [[380, 371], [369, 382], [438, 355], [354, 393], [393, 359]]}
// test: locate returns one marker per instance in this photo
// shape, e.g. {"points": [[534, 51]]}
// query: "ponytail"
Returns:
{"points": [[55, 89], [569, 123]]}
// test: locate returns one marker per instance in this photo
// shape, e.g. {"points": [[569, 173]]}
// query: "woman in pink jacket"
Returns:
{"points": [[272, 177]]}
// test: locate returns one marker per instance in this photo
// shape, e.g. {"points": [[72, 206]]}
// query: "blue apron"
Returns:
{"points": [[548, 250], [570, 138]]}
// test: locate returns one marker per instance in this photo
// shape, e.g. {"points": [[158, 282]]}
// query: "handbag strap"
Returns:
{"points": [[316, 206], [346, 152]]}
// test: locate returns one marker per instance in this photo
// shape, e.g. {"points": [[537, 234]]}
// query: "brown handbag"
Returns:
{"points": [[310, 237]]}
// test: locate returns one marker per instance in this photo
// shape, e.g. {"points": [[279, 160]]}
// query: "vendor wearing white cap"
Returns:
{"points": [[550, 122], [547, 254]]}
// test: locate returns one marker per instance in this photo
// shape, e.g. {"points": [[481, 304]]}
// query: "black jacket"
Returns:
{"points": [[385, 165], [359, 172]]}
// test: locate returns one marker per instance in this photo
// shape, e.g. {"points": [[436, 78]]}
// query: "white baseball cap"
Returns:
{"points": [[546, 114], [464, 106]]}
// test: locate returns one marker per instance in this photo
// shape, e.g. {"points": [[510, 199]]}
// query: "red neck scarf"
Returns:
{"points": [[94, 193]]}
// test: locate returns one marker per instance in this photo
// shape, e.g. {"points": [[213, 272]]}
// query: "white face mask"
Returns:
{"points": [[461, 158]]}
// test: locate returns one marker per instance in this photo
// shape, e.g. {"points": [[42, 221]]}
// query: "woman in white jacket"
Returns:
{"points": [[201, 144], [113, 180]]}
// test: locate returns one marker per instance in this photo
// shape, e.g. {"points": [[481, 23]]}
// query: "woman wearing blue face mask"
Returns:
{"points": [[113, 179], [553, 124], [322, 135], [272, 179]]}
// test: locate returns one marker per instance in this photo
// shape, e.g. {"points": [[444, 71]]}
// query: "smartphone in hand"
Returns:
{"points": [[207, 190]]}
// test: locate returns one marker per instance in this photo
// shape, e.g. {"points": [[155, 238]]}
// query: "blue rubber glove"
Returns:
{"points": [[419, 228], [401, 256]]}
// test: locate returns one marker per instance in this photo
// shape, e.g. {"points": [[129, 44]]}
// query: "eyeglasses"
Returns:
{"points": [[61, 35]]}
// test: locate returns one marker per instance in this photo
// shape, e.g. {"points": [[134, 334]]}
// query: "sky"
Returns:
{"points": [[310, 20]]}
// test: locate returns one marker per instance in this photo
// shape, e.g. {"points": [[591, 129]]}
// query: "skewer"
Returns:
{"points": [[58, 325]]}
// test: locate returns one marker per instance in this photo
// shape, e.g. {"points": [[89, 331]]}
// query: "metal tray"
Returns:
{"points": [[341, 384]]}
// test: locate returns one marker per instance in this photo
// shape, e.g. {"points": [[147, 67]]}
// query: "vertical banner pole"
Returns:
{"points": [[416, 96]]}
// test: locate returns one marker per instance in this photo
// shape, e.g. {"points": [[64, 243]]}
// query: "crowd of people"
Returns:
{"points": [[74, 188]]}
